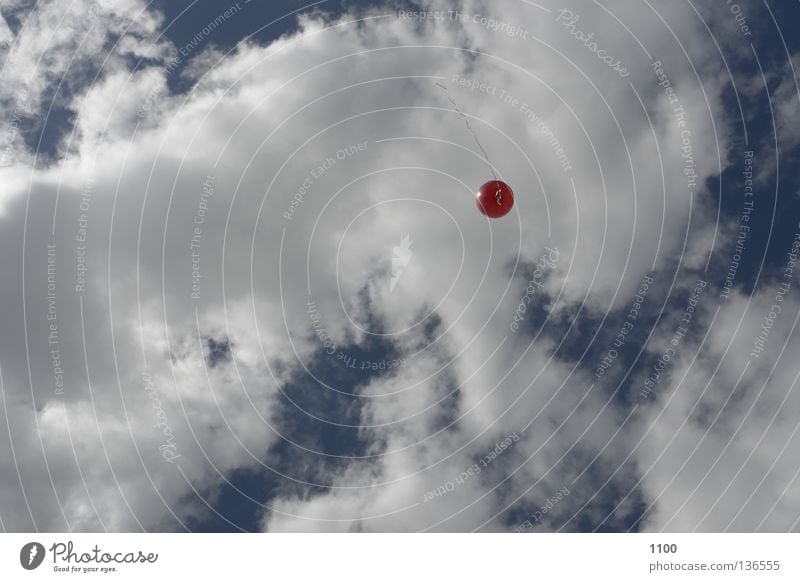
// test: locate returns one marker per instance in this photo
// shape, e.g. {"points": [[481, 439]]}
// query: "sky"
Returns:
{"points": [[246, 285]]}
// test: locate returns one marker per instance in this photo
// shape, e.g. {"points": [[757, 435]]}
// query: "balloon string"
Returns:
{"points": [[469, 127]]}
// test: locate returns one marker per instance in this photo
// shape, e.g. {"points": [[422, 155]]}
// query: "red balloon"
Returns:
{"points": [[495, 199]]}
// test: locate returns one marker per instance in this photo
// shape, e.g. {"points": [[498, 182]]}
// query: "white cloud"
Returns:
{"points": [[717, 444], [6, 36]]}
